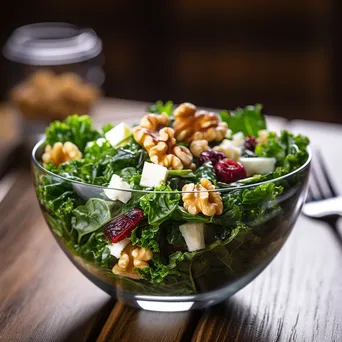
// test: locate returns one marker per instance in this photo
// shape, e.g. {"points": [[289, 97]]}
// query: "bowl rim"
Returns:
{"points": [[220, 190]]}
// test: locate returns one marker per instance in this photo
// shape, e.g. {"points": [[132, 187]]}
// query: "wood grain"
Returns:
{"points": [[130, 324], [43, 297]]}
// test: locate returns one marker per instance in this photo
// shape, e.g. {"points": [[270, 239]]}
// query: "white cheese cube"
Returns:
{"points": [[153, 175], [263, 136], [238, 139], [231, 151], [100, 141], [118, 183], [258, 165], [118, 247], [229, 134], [118, 133], [193, 234]]}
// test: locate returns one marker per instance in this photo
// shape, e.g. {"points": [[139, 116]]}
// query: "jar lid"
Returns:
{"points": [[52, 44]]}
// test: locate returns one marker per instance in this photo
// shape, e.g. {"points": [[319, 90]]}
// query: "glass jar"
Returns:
{"points": [[54, 69]]}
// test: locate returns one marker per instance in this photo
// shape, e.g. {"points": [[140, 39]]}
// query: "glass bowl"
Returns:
{"points": [[207, 276]]}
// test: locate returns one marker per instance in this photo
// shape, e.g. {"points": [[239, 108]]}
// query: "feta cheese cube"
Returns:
{"points": [[118, 247], [263, 136], [193, 234], [153, 175], [118, 184], [238, 139], [258, 165], [231, 151], [118, 133]]}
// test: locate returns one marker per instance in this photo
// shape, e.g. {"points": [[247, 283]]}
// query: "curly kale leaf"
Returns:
{"points": [[76, 129], [159, 107], [159, 206], [248, 120]]}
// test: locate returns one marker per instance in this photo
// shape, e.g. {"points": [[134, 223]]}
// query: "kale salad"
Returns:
{"points": [[185, 197]]}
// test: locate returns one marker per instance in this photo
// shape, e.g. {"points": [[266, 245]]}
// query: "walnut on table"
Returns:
{"points": [[131, 258], [191, 124], [199, 199], [60, 153]]}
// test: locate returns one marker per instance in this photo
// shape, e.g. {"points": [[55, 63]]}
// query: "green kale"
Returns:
{"points": [[248, 120], [95, 250], [159, 206], [76, 129], [146, 236], [91, 216], [289, 150], [159, 107]]}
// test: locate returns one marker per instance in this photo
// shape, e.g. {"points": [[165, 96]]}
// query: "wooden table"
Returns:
{"points": [[43, 297]]}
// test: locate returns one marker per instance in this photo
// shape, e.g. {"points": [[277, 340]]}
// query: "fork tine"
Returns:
{"points": [[316, 189], [325, 173], [310, 197]]}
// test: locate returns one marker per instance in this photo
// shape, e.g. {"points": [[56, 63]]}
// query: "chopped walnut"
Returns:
{"points": [[154, 122], [162, 149], [60, 153], [125, 265], [199, 146], [231, 151], [199, 199], [191, 124], [141, 256]]}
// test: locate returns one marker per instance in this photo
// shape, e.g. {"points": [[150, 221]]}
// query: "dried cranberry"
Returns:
{"points": [[211, 155], [121, 227], [250, 143], [228, 171]]}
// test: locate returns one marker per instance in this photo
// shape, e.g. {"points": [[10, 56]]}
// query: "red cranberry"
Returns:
{"points": [[211, 155], [228, 171], [250, 143], [121, 227]]}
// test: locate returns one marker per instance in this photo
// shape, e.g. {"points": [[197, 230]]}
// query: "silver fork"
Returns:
{"points": [[323, 203]]}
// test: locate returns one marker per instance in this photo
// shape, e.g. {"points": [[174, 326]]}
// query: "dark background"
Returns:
{"points": [[286, 55]]}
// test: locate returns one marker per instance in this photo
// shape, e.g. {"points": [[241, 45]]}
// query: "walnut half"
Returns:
{"points": [[60, 153], [131, 258], [162, 149], [200, 200], [191, 124]]}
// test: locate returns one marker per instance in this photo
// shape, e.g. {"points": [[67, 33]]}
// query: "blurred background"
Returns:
{"points": [[220, 54]]}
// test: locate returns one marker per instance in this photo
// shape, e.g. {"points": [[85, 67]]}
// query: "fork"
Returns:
{"points": [[323, 203]]}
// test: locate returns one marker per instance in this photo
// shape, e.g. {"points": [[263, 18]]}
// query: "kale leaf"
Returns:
{"points": [[158, 207], [248, 120], [76, 129], [159, 107], [91, 216]]}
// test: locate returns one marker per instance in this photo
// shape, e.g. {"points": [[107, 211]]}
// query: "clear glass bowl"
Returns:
{"points": [[216, 273]]}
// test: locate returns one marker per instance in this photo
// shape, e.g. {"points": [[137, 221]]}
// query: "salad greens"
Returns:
{"points": [[233, 239], [248, 120]]}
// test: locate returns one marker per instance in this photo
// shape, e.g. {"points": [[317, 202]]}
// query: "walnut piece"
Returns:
{"points": [[191, 124], [162, 149], [199, 146], [60, 153], [154, 122], [141, 256], [201, 200], [131, 258]]}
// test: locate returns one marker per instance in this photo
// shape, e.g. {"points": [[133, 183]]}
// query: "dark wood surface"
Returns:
{"points": [[43, 297]]}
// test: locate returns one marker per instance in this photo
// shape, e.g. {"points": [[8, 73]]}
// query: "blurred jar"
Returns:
{"points": [[55, 69]]}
